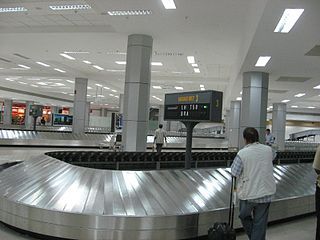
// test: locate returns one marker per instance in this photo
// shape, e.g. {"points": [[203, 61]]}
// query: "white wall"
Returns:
{"points": [[97, 121]]}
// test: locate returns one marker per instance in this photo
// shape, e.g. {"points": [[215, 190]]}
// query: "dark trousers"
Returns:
{"points": [[318, 212], [254, 219], [159, 147]]}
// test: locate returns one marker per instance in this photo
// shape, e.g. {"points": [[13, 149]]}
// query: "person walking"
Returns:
{"points": [[160, 138], [316, 167], [256, 184]]}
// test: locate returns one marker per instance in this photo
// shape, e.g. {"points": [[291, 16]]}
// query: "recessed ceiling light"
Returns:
{"points": [[288, 20], [241, 93], [294, 106], [102, 96], [32, 85], [98, 67], [121, 62], [13, 9], [312, 107], [71, 94], [113, 90], [22, 83], [76, 52], [69, 81], [191, 59], [116, 96], [239, 98], [316, 87], [201, 86], [67, 56], [70, 7], [111, 95], [43, 64], [42, 83], [178, 88], [159, 99], [271, 106], [89, 87], [300, 95], [262, 61], [157, 87], [202, 89], [98, 85], [115, 70], [196, 70], [285, 101], [156, 64], [169, 4], [177, 72], [59, 70], [107, 88], [194, 65], [24, 66], [64, 93], [87, 62], [129, 12]]}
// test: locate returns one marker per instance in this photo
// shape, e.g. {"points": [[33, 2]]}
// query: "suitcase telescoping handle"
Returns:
{"points": [[231, 204]]}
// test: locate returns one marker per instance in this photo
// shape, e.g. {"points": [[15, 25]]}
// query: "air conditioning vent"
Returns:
{"points": [[293, 79], [21, 56]]}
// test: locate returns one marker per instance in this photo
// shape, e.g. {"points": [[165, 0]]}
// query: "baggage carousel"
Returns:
{"points": [[49, 197]]}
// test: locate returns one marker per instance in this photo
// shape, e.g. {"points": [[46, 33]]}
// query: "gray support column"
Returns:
{"points": [[80, 105], [234, 126], [137, 93], [28, 120], [279, 124], [7, 114], [87, 119], [227, 124], [161, 117], [121, 103], [254, 103]]}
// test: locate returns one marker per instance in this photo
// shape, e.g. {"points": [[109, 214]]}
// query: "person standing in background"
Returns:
{"points": [[316, 167], [269, 137], [160, 137]]}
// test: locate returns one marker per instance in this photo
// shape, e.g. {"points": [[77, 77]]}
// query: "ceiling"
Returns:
{"points": [[226, 38]]}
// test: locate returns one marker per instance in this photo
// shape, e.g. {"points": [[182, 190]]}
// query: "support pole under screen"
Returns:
{"points": [[188, 158]]}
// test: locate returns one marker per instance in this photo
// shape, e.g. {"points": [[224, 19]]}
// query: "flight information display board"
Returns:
{"points": [[200, 106]]}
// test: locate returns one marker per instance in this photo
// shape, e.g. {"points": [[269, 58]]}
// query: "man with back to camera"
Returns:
{"points": [[269, 137], [316, 167], [256, 185], [159, 138]]}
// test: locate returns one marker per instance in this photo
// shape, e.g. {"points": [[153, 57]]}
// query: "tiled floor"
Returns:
{"points": [[301, 229]]}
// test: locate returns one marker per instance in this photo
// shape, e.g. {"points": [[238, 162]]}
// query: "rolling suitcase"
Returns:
{"points": [[224, 231]]}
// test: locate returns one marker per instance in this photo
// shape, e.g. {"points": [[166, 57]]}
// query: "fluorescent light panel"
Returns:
{"points": [[70, 81], [196, 70], [263, 61], [156, 64], [202, 89], [129, 12], [98, 67], [169, 4], [98, 85], [191, 59], [113, 90], [157, 87], [24, 66], [87, 62], [285, 101], [70, 7], [311, 107], [294, 106], [239, 98], [316, 87], [59, 70], [67, 56], [300, 95], [288, 20], [178, 88], [13, 9], [121, 62], [43, 64], [194, 65]]}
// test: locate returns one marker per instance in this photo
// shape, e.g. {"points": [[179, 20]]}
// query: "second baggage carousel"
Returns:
{"points": [[50, 197]]}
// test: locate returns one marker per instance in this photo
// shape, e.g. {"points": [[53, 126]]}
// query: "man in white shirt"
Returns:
{"points": [[269, 137], [255, 184], [160, 137]]}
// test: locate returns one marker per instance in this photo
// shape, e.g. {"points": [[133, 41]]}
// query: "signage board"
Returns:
{"points": [[198, 106]]}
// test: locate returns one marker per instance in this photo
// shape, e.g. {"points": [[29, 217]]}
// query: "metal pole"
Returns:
{"points": [[188, 157], [34, 123]]}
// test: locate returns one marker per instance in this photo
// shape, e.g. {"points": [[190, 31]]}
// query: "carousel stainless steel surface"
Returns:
{"points": [[50, 197], [58, 139]]}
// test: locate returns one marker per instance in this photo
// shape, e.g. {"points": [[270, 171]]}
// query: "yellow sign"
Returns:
{"points": [[193, 98]]}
